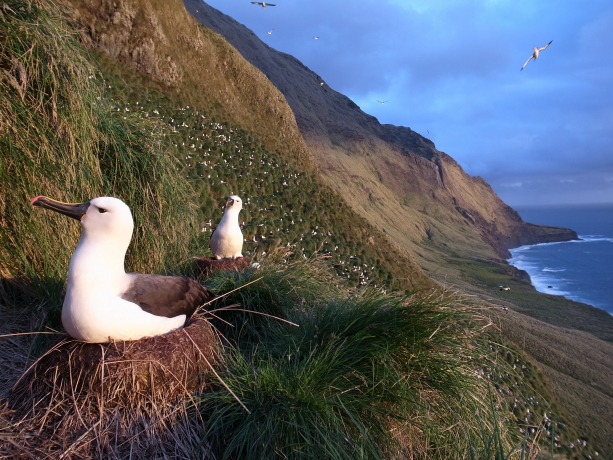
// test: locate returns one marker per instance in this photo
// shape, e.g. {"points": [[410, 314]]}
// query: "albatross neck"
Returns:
{"points": [[230, 217], [99, 259]]}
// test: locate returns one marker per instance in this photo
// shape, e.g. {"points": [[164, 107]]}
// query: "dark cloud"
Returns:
{"points": [[452, 68]]}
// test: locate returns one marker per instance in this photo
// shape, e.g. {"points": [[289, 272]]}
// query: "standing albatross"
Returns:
{"points": [[535, 55], [227, 239], [102, 301]]}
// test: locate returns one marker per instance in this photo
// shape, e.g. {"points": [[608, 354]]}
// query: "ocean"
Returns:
{"points": [[579, 270]]}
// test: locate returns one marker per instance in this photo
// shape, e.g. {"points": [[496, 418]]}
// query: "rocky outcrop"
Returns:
{"points": [[390, 174]]}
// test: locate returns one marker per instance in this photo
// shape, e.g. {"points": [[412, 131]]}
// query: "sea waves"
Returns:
{"points": [[563, 268]]}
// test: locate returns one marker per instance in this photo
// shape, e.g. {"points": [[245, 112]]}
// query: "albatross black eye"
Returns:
{"points": [[101, 210]]}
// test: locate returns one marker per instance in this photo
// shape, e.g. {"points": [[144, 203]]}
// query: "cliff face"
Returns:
{"points": [[393, 176]]}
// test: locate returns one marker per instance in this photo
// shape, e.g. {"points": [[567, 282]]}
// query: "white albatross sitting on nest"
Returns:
{"points": [[227, 239], [105, 303]]}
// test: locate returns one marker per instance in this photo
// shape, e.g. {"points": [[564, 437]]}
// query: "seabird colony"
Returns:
{"points": [[105, 303]]}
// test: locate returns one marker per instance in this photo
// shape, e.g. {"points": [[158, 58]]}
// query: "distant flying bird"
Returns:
{"points": [[316, 38], [382, 102], [270, 31], [535, 55], [264, 4]]}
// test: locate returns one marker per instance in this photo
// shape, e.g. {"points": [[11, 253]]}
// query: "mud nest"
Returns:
{"points": [[113, 400], [209, 265]]}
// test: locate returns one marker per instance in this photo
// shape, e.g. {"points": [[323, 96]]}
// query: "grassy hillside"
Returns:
{"points": [[194, 65], [356, 368], [284, 203], [59, 137], [570, 342], [76, 131]]}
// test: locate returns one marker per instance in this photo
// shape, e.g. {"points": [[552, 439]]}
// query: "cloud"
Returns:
{"points": [[451, 67]]}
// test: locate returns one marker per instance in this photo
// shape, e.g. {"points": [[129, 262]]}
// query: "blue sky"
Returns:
{"points": [[543, 135]]}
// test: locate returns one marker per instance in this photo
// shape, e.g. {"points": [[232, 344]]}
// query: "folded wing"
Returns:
{"points": [[167, 296]]}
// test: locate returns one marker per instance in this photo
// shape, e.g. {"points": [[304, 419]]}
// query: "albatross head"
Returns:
{"points": [[101, 218], [234, 204]]}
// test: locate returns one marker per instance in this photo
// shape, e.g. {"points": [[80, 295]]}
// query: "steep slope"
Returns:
{"points": [[211, 68], [215, 103], [192, 64], [391, 175]]}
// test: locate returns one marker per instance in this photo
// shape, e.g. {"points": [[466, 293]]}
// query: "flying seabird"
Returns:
{"points": [[227, 239], [102, 301], [316, 38], [382, 102], [264, 4], [535, 55], [270, 31]]}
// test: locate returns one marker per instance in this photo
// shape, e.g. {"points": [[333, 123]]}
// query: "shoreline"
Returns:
{"points": [[544, 280]]}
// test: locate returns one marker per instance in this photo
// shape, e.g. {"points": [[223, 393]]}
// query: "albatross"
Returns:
{"points": [[535, 55], [105, 303], [264, 4], [227, 239]]}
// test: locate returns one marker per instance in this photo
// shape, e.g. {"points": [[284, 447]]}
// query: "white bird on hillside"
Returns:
{"points": [[264, 4], [382, 102], [227, 239], [102, 301], [535, 55]]}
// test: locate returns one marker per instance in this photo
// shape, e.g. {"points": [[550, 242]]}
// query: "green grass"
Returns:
{"points": [[364, 376], [59, 137]]}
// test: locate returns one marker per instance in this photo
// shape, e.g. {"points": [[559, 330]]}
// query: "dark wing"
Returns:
{"points": [[167, 296], [541, 49]]}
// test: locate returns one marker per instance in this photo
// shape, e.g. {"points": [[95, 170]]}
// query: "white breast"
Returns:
{"points": [[98, 316], [227, 240]]}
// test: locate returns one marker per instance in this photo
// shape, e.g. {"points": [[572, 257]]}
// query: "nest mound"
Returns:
{"points": [[113, 400], [209, 265]]}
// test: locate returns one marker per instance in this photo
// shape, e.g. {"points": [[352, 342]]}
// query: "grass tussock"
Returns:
{"points": [[59, 137], [364, 376]]}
